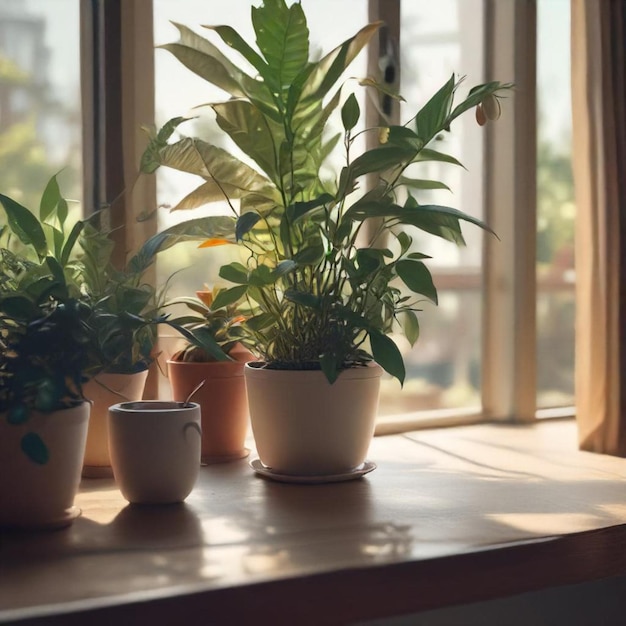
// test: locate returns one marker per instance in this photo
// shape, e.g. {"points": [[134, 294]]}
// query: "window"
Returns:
{"points": [[40, 112], [482, 352], [555, 208]]}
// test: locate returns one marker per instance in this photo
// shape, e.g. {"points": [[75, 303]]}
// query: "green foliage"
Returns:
{"points": [[316, 296], [211, 332], [45, 343]]}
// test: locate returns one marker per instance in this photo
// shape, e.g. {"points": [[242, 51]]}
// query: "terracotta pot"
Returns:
{"points": [[155, 450], [103, 391], [223, 404], [305, 426], [42, 496]]}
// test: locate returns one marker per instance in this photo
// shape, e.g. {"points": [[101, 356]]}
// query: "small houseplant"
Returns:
{"points": [[125, 309], [119, 308], [323, 300], [45, 343], [213, 357]]}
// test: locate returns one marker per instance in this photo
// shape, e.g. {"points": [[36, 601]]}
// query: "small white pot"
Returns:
{"points": [[305, 426], [155, 449], [41, 496]]}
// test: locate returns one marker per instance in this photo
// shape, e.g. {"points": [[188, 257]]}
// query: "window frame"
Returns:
{"points": [[118, 50]]}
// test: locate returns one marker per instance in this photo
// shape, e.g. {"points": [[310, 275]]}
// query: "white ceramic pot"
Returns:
{"points": [[103, 391], [305, 426], [42, 496], [155, 449]]}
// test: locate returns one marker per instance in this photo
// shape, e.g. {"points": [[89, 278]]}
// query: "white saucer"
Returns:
{"points": [[268, 472]]}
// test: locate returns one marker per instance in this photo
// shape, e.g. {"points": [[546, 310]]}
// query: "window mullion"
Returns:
{"points": [[383, 64], [509, 363], [118, 99], [117, 83]]}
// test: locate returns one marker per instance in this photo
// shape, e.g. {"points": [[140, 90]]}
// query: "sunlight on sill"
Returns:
{"points": [[544, 524]]}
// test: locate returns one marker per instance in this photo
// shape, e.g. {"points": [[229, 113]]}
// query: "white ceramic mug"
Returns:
{"points": [[155, 449]]}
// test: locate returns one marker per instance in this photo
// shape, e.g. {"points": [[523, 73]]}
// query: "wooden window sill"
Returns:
{"points": [[450, 516]]}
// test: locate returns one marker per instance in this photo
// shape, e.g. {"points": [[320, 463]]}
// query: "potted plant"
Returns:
{"points": [[121, 308], [124, 308], [45, 343], [324, 294], [125, 312], [212, 362]]}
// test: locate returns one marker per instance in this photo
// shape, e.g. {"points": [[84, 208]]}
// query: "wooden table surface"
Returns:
{"points": [[450, 516]]}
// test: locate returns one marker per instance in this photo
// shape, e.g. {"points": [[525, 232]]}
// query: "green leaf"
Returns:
{"points": [[259, 322], [18, 307], [245, 223], [25, 225], [416, 276], [235, 273], [283, 37], [50, 199], [387, 355], [34, 448], [227, 175], [62, 211], [404, 137], [328, 363], [150, 160], [422, 184], [70, 242], [368, 260], [252, 132], [262, 276], [304, 298], [382, 89], [325, 73], [300, 209], [477, 94], [311, 255], [284, 267], [411, 327], [58, 240], [203, 338], [233, 39], [350, 112], [204, 59], [404, 240], [228, 296], [199, 229], [442, 221], [380, 160], [426, 154], [433, 116], [57, 271], [200, 337]]}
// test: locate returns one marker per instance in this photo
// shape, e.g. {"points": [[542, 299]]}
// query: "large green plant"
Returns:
{"points": [[319, 293]]}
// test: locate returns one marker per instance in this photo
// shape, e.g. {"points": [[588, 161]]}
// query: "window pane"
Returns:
{"points": [[443, 369], [40, 123], [555, 208]]}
